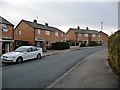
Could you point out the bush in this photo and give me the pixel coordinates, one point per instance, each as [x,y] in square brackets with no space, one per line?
[60,45]
[82,45]
[93,43]
[114,52]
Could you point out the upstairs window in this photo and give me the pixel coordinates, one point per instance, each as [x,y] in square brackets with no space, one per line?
[56,33]
[99,35]
[62,34]
[4,28]
[86,35]
[18,32]
[38,31]
[79,34]
[93,35]
[47,32]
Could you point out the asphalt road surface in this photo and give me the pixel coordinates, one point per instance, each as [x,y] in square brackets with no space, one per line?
[39,73]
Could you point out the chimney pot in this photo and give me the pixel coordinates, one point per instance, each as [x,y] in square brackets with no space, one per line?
[78,27]
[46,24]
[35,21]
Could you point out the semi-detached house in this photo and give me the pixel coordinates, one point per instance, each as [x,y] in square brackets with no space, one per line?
[6,36]
[33,33]
[77,35]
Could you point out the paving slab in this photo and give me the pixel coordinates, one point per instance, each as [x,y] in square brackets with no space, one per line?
[93,72]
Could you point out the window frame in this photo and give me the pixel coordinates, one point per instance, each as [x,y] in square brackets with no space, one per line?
[93,35]
[47,33]
[38,31]
[86,35]
[56,33]
[4,28]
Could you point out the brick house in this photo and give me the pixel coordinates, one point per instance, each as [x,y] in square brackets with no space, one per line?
[103,38]
[6,36]
[77,35]
[37,34]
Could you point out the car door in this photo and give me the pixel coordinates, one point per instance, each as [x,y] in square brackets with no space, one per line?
[35,52]
[28,54]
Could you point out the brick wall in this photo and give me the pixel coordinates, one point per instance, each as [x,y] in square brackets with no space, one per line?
[71,35]
[9,33]
[105,38]
[52,38]
[27,33]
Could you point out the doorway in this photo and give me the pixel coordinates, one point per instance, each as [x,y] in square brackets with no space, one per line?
[5,47]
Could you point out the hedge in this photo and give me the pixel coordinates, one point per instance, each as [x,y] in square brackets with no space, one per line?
[93,43]
[114,52]
[60,45]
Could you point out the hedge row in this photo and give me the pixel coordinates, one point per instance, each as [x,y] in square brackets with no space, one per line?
[60,45]
[114,52]
[93,43]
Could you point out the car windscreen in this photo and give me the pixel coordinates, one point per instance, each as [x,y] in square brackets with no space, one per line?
[21,49]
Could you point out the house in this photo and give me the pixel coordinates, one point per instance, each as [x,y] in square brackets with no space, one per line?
[103,38]
[6,36]
[77,35]
[33,33]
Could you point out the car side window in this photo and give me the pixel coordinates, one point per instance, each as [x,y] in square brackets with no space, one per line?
[29,50]
[34,49]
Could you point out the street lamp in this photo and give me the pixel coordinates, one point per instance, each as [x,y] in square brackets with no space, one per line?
[101,32]
[101,26]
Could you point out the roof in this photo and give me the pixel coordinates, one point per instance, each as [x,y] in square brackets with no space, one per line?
[84,31]
[41,26]
[103,32]
[4,21]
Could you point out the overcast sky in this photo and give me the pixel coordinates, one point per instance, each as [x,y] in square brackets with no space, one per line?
[64,14]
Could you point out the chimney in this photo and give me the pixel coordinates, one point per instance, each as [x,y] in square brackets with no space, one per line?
[87,28]
[35,21]
[46,24]
[78,27]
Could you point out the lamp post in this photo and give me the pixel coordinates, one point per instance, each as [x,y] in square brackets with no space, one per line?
[101,32]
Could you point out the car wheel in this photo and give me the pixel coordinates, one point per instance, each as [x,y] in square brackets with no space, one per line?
[19,60]
[38,56]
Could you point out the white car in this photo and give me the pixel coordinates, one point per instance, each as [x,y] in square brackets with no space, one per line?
[22,53]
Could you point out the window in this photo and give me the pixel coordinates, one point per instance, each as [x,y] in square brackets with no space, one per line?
[4,28]
[19,32]
[86,35]
[99,35]
[93,35]
[16,32]
[56,33]
[39,31]
[79,34]
[62,35]
[29,50]
[34,49]
[47,32]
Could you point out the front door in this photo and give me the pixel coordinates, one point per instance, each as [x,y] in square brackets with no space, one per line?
[5,47]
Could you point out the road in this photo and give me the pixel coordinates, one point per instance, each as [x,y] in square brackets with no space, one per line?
[39,73]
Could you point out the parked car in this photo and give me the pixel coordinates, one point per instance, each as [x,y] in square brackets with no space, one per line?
[22,53]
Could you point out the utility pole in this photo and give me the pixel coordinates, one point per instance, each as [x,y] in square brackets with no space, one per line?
[101,33]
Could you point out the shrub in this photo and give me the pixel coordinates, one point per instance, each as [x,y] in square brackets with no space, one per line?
[82,45]
[114,52]
[60,45]
[93,43]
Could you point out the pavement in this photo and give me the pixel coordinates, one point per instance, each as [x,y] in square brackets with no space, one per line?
[92,72]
